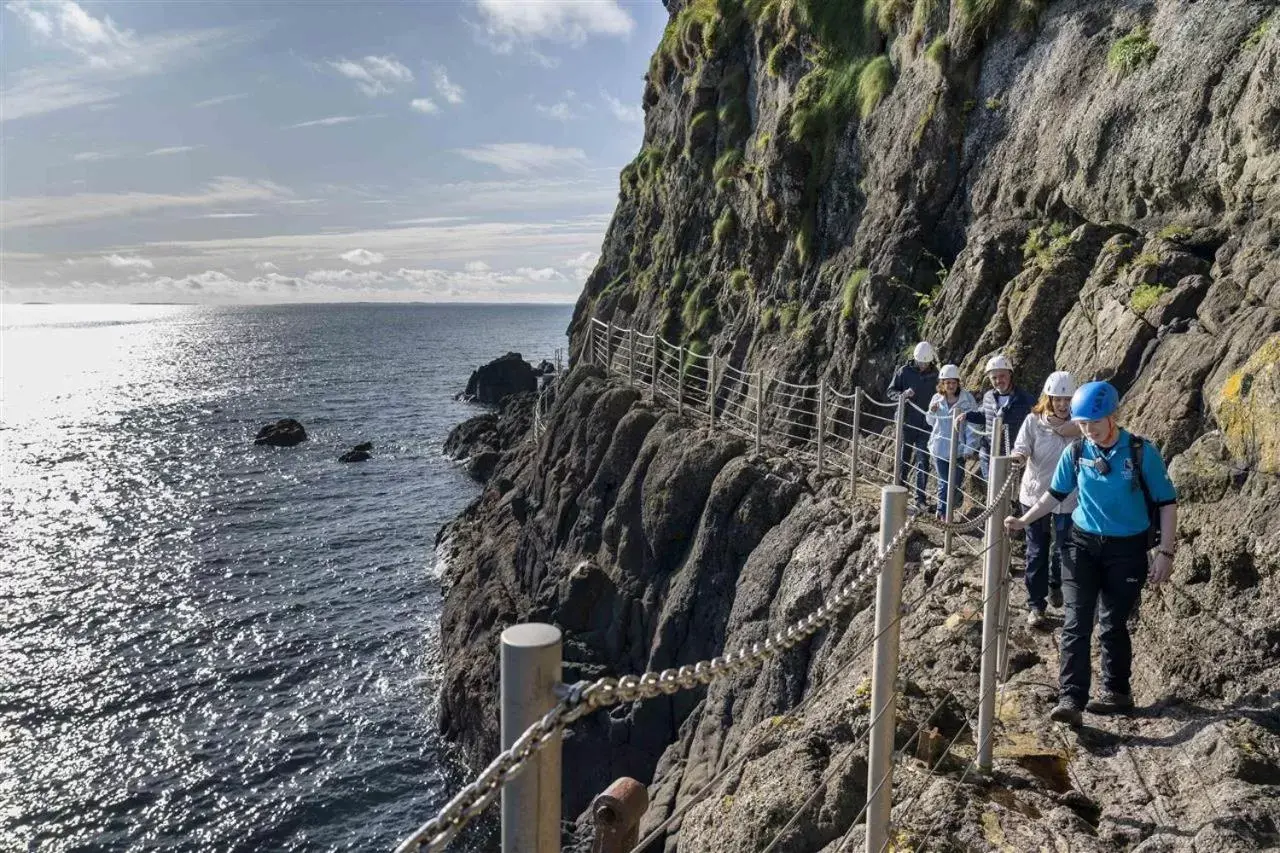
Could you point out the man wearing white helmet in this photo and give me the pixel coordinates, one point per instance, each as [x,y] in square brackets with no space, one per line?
[1040,443]
[1004,398]
[916,381]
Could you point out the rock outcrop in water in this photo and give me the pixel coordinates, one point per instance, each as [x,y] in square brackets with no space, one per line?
[500,379]
[285,432]
[1085,185]
[360,453]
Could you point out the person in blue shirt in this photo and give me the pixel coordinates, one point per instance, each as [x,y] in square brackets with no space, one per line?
[1119,480]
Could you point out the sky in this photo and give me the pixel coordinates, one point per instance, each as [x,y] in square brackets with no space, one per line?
[215,152]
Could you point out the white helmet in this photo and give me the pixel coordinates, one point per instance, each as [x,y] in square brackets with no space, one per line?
[949,371]
[1059,384]
[998,362]
[924,353]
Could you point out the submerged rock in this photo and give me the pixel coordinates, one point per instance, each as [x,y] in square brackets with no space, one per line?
[285,432]
[500,379]
[355,456]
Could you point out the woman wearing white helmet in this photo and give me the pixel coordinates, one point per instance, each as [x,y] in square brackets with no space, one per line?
[1043,436]
[950,401]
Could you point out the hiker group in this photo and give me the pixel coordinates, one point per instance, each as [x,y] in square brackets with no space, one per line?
[1093,499]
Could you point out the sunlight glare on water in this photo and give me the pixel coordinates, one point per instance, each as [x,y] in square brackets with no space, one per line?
[209,644]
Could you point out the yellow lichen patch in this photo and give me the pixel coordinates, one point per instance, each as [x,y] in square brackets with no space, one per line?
[1248,409]
[991,829]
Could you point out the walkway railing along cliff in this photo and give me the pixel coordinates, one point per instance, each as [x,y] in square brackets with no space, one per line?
[850,434]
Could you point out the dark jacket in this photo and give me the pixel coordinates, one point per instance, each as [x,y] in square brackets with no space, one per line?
[1016,408]
[924,385]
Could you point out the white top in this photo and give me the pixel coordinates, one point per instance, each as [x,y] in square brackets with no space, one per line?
[1040,443]
[940,420]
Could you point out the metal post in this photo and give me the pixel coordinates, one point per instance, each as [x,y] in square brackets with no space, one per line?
[759,408]
[617,814]
[822,424]
[631,357]
[680,381]
[899,421]
[997,436]
[588,354]
[530,671]
[654,360]
[884,674]
[951,482]
[993,571]
[855,440]
[608,348]
[711,392]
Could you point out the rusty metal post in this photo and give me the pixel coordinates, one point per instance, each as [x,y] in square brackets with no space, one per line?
[617,813]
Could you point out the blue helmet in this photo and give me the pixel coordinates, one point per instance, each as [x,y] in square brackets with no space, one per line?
[1094,401]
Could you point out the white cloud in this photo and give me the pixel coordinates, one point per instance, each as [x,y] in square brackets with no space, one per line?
[97,56]
[363,257]
[266,266]
[542,274]
[623,112]
[80,207]
[95,156]
[230,215]
[373,75]
[173,149]
[581,266]
[329,121]
[446,89]
[220,99]
[424,105]
[120,262]
[476,267]
[559,20]
[561,110]
[525,158]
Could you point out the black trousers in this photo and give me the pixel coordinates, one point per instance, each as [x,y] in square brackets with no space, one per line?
[1104,577]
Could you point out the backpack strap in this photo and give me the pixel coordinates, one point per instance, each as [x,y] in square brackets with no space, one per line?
[1077,450]
[1137,444]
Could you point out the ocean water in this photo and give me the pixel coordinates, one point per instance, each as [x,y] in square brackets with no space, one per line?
[210,645]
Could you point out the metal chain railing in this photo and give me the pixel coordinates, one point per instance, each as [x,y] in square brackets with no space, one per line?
[583,698]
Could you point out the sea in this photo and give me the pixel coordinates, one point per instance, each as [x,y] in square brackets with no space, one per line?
[207,645]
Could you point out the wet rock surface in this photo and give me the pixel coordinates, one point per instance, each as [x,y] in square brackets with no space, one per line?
[285,432]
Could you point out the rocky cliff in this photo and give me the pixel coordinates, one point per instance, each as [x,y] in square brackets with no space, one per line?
[1090,186]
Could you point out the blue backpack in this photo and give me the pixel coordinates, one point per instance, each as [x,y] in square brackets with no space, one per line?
[1136,445]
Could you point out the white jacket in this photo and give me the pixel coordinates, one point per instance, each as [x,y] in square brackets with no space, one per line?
[940,421]
[1043,447]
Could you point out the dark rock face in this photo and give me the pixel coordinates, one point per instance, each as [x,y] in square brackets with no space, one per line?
[355,455]
[500,379]
[1010,193]
[480,441]
[283,433]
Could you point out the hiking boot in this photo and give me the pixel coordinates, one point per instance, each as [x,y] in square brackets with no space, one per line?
[1067,711]
[1111,702]
[1055,596]
[1036,620]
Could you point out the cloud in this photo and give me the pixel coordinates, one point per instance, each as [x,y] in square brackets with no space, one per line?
[120,262]
[174,149]
[525,158]
[330,121]
[220,99]
[266,266]
[81,207]
[95,156]
[97,56]
[446,89]
[581,266]
[363,257]
[557,20]
[623,112]
[229,215]
[562,110]
[424,105]
[476,267]
[373,75]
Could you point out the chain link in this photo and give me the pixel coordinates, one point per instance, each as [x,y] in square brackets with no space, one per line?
[586,697]
[1002,500]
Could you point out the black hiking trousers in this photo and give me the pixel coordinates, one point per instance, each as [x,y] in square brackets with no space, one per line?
[1103,576]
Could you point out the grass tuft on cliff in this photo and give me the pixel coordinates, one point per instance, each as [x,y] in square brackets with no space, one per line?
[849,298]
[1131,52]
[726,226]
[937,51]
[874,83]
[1146,295]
